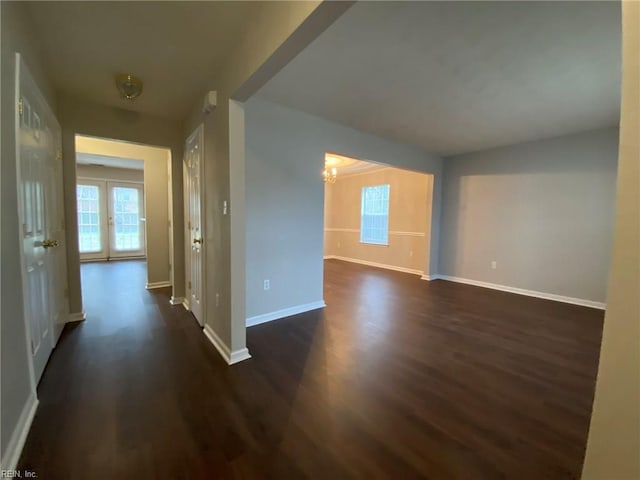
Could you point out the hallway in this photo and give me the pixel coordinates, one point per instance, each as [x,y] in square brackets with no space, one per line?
[396,378]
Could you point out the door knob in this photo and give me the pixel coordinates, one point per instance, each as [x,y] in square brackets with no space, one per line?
[50,243]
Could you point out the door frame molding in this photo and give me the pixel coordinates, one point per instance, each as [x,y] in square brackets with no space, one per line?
[197,132]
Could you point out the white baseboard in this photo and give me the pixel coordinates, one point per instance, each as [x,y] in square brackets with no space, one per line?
[378,265]
[77,317]
[176,300]
[522,291]
[152,285]
[14,448]
[285,312]
[427,277]
[329,257]
[186,305]
[224,351]
[239,356]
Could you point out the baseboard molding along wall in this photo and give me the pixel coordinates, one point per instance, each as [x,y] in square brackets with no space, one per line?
[519,291]
[374,264]
[176,300]
[229,356]
[16,443]
[429,277]
[152,285]
[285,312]
[77,317]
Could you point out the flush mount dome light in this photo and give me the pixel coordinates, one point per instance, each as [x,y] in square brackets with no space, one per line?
[130,87]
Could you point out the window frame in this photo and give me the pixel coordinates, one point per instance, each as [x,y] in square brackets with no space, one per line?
[385,206]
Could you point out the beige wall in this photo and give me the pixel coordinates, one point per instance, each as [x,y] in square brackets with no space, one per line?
[16,385]
[156,197]
[410,199]
[109,173]
[613,450]
[78,116]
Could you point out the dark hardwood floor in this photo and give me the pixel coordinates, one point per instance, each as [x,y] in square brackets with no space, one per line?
[397,378]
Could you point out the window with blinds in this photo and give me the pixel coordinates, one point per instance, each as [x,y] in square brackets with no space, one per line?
[374,215]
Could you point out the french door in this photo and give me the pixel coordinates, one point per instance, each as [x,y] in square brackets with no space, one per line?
[110,219]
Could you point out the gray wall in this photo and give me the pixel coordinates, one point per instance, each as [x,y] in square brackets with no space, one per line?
[16,384]
[285,197]
[544,211]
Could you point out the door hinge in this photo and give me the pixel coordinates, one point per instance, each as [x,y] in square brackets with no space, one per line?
[21,109]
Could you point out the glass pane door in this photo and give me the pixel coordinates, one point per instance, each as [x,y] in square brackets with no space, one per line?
[110,223]
[89,219]
[92,219]
[125,212]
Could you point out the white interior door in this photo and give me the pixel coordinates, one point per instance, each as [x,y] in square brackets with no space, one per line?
[195,284]
[39,203]
[110,219]
[56,256]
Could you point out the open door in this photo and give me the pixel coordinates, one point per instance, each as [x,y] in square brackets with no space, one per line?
[194,168]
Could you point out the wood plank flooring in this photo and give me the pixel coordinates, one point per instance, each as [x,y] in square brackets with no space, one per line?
[397,378]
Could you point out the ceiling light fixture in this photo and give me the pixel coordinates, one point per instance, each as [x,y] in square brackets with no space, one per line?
[130,87]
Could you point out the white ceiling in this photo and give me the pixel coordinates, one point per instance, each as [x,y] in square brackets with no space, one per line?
[108,161]
[174,47]
[456,77]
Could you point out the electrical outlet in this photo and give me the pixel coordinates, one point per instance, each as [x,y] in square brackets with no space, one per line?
[217,299]
[267,284]
[494,264]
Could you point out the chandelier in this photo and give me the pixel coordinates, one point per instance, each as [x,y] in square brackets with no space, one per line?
[330,174]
